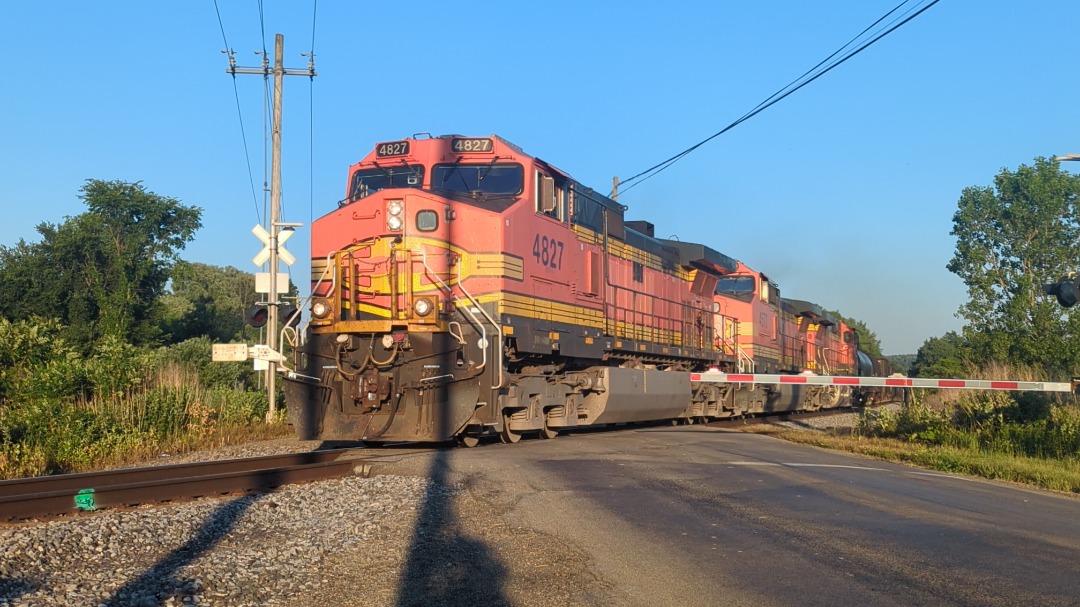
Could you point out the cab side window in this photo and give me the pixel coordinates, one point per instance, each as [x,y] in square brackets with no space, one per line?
[550,199]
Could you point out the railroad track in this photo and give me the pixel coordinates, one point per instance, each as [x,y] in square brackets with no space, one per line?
[770,418]
[51,496]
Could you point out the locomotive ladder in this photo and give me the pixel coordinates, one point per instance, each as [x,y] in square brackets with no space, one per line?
[887,382]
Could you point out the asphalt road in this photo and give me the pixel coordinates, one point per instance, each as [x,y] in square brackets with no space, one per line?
[697,516]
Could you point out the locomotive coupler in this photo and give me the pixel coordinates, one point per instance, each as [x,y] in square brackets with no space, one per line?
[372,389]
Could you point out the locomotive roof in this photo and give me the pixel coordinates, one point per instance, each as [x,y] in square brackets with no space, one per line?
[810,310]
[699,255]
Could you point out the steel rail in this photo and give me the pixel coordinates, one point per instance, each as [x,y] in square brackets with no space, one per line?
[783,416]
[50,496]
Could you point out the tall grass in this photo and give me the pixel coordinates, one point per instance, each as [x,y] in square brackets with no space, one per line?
[986,422]
[62,412]
[1027,436]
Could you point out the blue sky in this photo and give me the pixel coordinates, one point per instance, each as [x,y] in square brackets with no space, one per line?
[843,192]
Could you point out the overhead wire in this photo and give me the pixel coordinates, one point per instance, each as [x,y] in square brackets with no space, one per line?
[311,118]
[267,110]
[788,89]
[240,115]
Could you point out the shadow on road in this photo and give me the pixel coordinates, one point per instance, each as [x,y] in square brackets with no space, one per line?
[444,566]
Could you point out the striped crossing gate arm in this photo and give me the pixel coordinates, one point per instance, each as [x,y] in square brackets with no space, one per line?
[887,382]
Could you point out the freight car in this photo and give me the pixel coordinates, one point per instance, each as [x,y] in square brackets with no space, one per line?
[464,288]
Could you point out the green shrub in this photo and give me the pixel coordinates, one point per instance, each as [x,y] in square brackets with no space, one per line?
[116,367]
[983,421]
[238,407]
[61,412]
[37,362]
[196,353]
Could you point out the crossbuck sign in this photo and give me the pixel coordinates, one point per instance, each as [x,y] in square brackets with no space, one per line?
[264,255]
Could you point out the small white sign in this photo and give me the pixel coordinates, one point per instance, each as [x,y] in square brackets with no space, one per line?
[229,352]
[262,282]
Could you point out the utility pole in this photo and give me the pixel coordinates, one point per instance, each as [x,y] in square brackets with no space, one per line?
[279,72]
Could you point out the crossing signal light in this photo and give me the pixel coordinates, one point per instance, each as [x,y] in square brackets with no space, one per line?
[1067,291]
[256,316]
[289,315]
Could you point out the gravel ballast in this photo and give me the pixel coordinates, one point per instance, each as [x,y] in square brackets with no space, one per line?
[250,550]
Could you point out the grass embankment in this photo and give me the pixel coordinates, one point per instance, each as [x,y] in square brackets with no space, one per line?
[1030,440]
[62,411]
[163,417]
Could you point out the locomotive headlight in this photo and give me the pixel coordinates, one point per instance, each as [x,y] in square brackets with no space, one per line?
[422,306]
[394,210]
[320,309]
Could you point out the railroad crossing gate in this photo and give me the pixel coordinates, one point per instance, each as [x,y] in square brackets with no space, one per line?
[886,382]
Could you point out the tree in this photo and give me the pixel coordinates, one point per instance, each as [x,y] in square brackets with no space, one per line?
[944,356]
[868,340]
[208,301]
[103,271]
[1011,239]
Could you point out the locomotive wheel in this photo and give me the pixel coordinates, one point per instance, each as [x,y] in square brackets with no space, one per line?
[507,435]
[466,440]
[548,433]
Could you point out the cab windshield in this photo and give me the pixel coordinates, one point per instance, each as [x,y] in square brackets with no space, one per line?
[735,284]
[368,181]
[478,178]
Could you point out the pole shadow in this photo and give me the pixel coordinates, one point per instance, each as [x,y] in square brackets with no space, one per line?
[14,587]
[161,582]
[443,566]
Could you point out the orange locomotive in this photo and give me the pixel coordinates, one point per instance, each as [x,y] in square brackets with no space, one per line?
[464,288]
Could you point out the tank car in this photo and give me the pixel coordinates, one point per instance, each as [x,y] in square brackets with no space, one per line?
[464,288]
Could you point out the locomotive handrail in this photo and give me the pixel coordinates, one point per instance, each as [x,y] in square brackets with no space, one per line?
[478,324]
[674,326]
[496,326]
[303,302]
[744,357]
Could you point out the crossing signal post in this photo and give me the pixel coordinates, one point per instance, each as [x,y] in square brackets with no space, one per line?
[274,237]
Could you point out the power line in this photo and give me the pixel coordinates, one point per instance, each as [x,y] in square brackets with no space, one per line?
[267,104]
[221,24]
[783,92]
[243,132]
[314,12]
[311,117]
